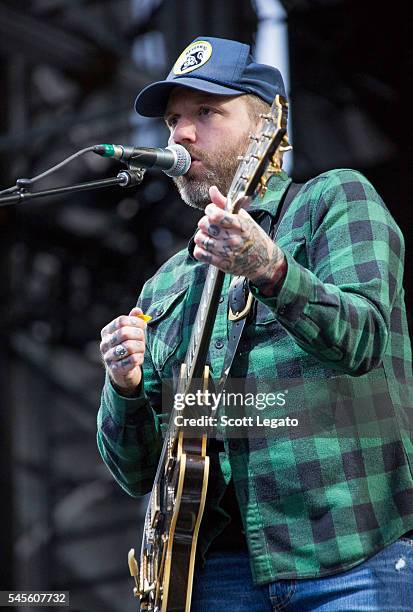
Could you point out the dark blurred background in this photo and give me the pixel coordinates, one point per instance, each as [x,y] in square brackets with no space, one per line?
[70,72]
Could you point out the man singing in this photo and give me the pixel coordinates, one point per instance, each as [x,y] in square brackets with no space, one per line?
[306,520]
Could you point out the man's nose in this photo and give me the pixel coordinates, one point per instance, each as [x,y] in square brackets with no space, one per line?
[183,133]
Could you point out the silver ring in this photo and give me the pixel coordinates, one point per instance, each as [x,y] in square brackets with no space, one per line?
[205,243]
[120,351]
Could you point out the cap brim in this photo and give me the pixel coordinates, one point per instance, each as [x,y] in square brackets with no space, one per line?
[153,99]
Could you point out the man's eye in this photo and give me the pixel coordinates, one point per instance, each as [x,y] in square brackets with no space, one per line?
[172,121]
[205,111]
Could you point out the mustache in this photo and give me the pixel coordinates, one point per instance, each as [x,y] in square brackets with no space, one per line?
[199,154]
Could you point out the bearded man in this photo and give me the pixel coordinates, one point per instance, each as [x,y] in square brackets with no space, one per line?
[306,520]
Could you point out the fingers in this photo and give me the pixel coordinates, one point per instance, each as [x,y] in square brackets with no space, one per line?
[221,233]
[122,349]
[214,251]
[220,201]
[217,245]
[219,224]
[116,349]
[135,311]
[217,219]
[217,197]
[124,321]
[201,255]
[207,242]
[118,369]
[220,218]
[122,332]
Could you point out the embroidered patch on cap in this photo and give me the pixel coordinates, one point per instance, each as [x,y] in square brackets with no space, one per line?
[193,57]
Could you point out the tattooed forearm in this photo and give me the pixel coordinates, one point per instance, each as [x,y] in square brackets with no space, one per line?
[257,258]
[274,272]
[252,254]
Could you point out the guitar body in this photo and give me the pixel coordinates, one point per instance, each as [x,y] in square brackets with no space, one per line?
[192,482]
[172,523]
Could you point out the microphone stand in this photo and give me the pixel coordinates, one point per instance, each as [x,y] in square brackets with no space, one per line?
[126,178]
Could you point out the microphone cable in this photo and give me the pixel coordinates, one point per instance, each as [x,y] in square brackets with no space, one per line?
[49,171]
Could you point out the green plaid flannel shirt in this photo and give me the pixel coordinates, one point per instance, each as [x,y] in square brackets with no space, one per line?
[318,499]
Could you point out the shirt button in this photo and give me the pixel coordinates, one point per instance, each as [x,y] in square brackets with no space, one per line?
[159,312]
[233,445]
[219,344]
[221,299]
[282,310]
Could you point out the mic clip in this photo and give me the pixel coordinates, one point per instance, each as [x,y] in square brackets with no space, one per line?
[24,185]
[132,176]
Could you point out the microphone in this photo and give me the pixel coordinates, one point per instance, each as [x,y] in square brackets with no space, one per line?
[174,160]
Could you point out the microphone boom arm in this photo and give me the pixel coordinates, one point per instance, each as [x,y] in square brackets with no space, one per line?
[126,178]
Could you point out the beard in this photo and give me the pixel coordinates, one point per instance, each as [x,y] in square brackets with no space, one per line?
[217,169]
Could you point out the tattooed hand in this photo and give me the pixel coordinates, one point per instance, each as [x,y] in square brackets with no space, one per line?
[238,245]
[122,349]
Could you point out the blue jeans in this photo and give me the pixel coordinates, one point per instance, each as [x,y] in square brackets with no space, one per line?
[383,583]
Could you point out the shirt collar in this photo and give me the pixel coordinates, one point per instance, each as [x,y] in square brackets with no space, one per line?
[270,201]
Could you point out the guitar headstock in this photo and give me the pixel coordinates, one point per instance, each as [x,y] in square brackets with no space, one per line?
[262,158]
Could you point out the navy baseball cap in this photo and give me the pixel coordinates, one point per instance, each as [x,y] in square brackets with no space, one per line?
[217,66]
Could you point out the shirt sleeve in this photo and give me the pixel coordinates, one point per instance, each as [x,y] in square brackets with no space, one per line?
[338,308]
[129,435]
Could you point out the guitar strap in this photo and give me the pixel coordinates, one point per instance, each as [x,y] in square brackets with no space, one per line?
[239,298]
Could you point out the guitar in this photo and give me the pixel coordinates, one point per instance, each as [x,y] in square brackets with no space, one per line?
[164,577]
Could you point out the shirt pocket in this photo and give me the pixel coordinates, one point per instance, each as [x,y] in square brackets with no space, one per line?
[164,331]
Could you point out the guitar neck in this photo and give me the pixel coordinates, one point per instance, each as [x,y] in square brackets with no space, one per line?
[205,318]
[203,325]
